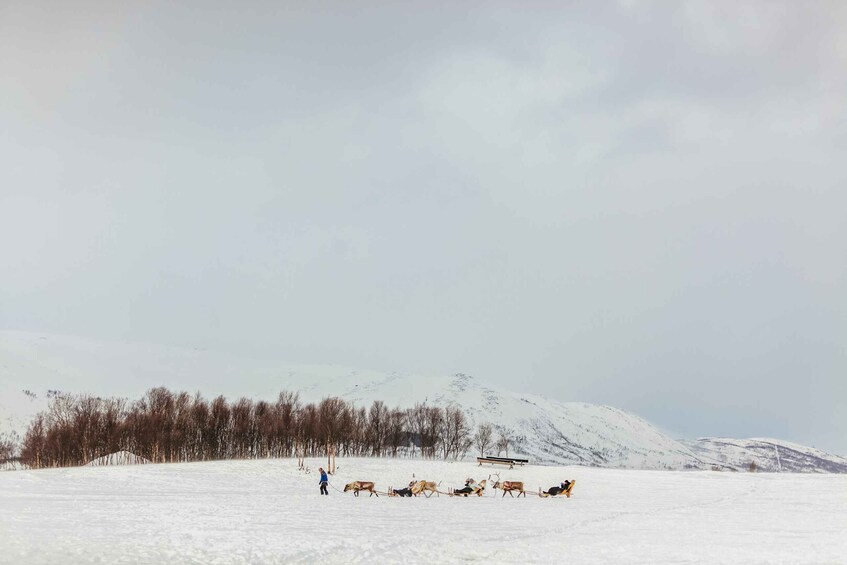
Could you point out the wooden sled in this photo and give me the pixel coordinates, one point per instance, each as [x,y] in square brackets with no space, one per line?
[454,493]
[478,490]
[566,492]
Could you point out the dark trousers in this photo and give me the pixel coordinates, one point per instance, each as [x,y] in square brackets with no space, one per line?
[323,489]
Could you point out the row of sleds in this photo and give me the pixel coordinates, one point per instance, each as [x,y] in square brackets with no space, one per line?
[472,487]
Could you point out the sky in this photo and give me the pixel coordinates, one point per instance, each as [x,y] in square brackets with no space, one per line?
[640,204]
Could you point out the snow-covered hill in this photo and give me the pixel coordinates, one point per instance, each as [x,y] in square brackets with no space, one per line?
[766,455]
[542,429]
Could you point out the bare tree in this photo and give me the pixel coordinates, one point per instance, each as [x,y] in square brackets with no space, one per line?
[416,418]
[164,426]
[395,431]
[482,438]
[7,447]
[431,437]
[330,411]
[200,433]
[454,432]
[287,411]
[377,425]
[34,450]
[221,424]
[503,443]
[243,428]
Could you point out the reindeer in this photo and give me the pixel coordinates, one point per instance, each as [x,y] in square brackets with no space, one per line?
[509,486]
[356,486]
[422,487]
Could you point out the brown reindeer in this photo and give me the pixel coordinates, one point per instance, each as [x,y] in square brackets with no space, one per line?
[356,486]
[509,486]
[422,487]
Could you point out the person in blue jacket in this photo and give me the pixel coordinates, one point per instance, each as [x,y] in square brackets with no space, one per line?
[324,481]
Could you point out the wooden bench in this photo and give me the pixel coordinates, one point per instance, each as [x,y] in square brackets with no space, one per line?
[510,461]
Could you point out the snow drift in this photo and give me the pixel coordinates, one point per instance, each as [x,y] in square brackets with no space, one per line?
[118,458]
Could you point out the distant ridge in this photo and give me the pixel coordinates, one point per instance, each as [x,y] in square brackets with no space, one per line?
[541,429]
[769,455]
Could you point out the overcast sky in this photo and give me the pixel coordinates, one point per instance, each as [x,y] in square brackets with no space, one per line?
[641,204]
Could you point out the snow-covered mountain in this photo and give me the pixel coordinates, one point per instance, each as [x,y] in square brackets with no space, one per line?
[766,455]
[543,430]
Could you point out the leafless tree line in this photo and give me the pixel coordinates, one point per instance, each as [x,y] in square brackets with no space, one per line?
[7,447]
[164,426]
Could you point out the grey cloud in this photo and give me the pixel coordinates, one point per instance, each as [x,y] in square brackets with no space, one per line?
[637,204]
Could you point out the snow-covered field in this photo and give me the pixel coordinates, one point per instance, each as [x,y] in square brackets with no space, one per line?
[269,512]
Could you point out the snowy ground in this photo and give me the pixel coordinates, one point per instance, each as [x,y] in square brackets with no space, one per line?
[269,512]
